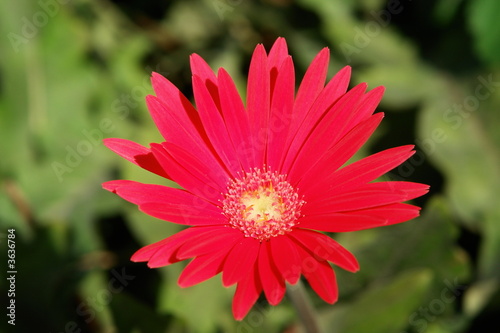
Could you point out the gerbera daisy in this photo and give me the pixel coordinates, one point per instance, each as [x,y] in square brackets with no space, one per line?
[262,180]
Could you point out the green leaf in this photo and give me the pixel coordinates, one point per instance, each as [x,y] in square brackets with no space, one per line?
[209,302]
[383,308]
[132,316]
[457,134]
[485,26]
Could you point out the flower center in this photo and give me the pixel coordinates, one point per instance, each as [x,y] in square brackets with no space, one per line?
[262,204]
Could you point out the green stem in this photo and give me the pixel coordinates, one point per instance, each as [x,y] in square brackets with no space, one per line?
[300,300]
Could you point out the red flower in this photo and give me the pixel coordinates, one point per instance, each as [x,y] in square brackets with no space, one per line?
[258,179]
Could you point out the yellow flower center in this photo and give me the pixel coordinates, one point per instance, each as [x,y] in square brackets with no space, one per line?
[262,204]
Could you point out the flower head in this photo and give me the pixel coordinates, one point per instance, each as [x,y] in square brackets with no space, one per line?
[261,179]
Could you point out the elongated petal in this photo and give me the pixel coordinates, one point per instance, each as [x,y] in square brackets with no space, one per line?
[349,111]
[140,193]
[236,120]
[309,89]
[180,107]
[355,200]
[361,172]
[197,184]
[339,154]
[336,87]
[272,282]
[395,213]
[286,258]
[208,173]
[328,96]
[412,190]
[167,255]
[258,101]
[342,222]
[281,114]
[136,154]
[164,250]
[320,276]
[222,238]
[305,122]
[361,219]
[201,69]
[112,185]
[214,126]
[178,129]
[202,268]
[365,108]
[240,261]
[324,247]
[247,293]
[277,55]
[177,119]
[182,213]
[311,143]
[168,203]
[312,83]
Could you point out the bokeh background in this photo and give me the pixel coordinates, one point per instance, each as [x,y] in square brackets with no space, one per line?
[75,71]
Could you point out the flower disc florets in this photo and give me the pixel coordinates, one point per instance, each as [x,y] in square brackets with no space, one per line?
[262,204]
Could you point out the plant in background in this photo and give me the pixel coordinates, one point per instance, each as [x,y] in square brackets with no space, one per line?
[262,180]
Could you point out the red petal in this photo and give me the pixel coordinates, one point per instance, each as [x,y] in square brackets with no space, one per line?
[201,69]
[412,190]
[361,219]
[198,183]
[277,54]
[214,126]
[180,108]
[258,101]
[168,203]
[240,261]
[236,120]
[367,105]
[224,238]
[208,173]
[309,89]
[202,268]
[361,172]
[182,213]
[178,129]
[272,282]
[360,198]
[395,213]
[136,154]
[342,222]
[286,258]
[281,114]
[311,143]
[320,276]
[112,185]
[312,83]
[340,153]
[164,250]
[328,96]
[140,193]
[324,247]
[247,293]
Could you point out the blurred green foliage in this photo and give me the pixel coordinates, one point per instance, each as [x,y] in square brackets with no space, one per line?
[74,72]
